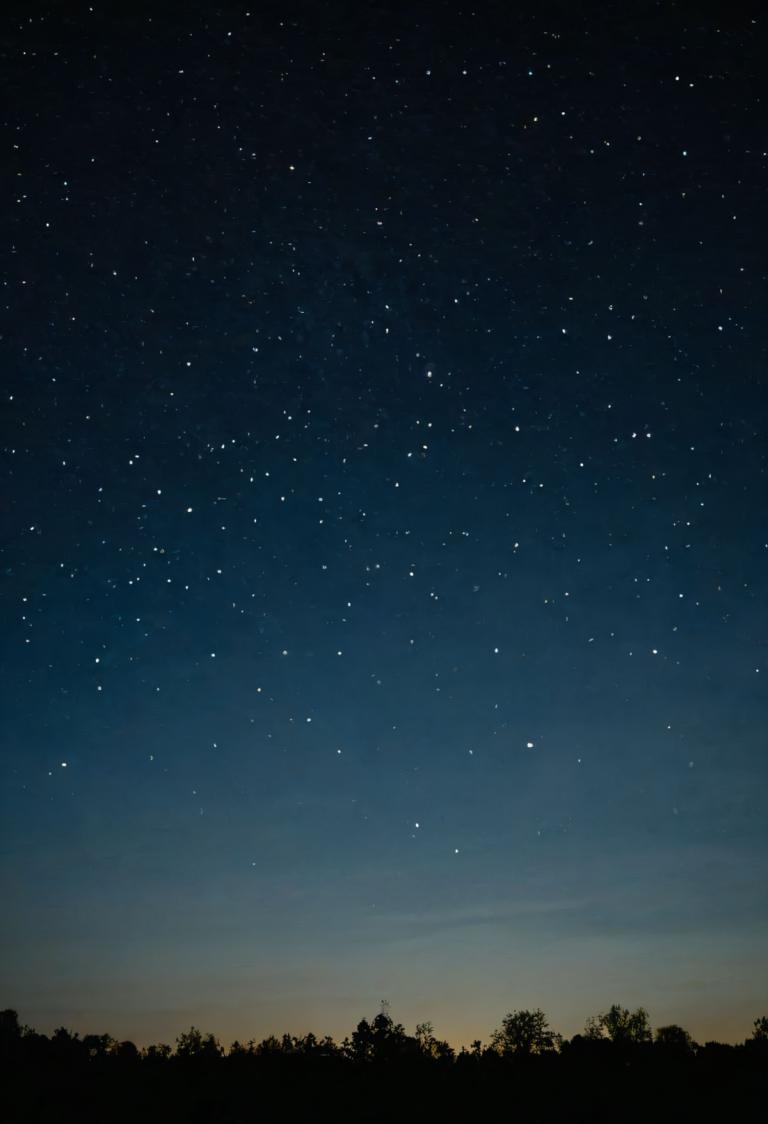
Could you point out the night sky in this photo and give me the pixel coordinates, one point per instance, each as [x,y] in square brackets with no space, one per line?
[384,544]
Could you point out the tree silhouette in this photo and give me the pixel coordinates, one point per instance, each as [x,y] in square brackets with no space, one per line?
[620,1026]
[10,1031]
[99,1045]
[381,1040]
[429,1045]
[193,1044]
[526,1066]
[674,1038]
[127,1052]
[525,1033]
[158,1053]
[359,1047]
[269,1046]
[758,1043]
[389,1038]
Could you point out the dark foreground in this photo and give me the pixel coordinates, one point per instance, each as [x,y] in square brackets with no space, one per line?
[382,1074]
[726,1089]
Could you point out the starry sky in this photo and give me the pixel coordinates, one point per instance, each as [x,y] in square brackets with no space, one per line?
[383,538]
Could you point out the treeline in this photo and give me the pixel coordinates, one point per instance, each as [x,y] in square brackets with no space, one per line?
[617,1066]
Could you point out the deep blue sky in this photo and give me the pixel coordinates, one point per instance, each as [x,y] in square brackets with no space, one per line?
[384,547]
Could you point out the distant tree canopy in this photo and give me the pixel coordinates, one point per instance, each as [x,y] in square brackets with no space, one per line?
[525,1033]
[429,1045]
[380,1040]
[193,1044]
[9,1025]
[620,1026]
[381,1073]
[673,1037]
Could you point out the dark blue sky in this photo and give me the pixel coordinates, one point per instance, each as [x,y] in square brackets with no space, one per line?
[383,532]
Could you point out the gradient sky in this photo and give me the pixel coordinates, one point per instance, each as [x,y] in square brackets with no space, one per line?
[384,541]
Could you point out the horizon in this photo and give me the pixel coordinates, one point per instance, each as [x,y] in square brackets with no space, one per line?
[226,1040]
